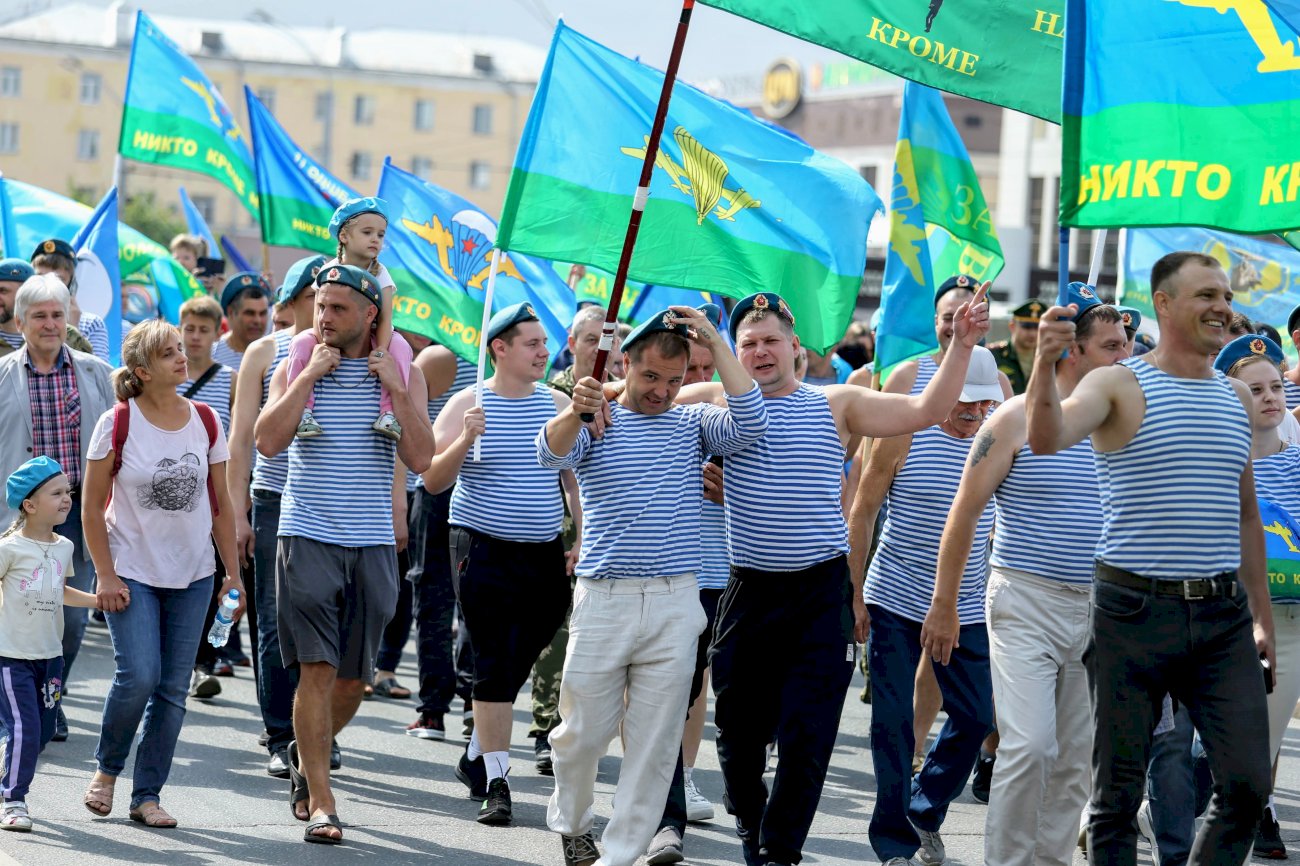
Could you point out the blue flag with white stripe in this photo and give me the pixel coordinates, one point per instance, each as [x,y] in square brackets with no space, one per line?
[98,277]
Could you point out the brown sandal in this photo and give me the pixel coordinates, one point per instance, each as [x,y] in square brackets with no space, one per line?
[156,817]
[99,798]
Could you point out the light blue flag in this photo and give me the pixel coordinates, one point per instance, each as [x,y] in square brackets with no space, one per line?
[1288,11]
[1264,276]
[98,277]
[197,225]
[236,258]
[439,250]
[296,195]
[8,230]
[735,204]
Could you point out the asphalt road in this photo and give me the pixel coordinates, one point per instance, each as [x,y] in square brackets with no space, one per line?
[398,797]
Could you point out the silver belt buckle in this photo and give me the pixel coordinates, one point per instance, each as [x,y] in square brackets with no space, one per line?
[1188,595]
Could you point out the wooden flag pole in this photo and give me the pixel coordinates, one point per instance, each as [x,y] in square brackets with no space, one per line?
[639,200]
[483,342]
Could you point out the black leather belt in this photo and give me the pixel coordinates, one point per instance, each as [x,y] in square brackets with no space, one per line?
[265,495]
[1220,586]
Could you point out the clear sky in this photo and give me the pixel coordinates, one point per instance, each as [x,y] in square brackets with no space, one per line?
[719,45]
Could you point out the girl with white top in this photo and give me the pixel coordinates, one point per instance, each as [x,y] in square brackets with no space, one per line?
[152,498]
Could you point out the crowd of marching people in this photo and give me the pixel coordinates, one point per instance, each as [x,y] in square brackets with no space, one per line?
[1058,542]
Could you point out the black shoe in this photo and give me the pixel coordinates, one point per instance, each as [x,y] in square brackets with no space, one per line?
[60,726]
[580,850]
[1268,838]
[983,778]
[473,774]
[203,685]
[542,745]
[496,807]
[336,756]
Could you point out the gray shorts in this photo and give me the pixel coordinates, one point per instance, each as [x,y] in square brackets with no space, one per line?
[334,603]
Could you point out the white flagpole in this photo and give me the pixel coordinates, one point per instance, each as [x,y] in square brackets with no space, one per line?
[1098,246]
[482,341]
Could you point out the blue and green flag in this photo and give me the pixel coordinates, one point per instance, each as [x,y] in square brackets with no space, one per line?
[939,227]
[736,204]
[98,277]
[8,229]
[439,252]
[174,116]
[196,225]
[595,287]
[1180,113]
[297,196]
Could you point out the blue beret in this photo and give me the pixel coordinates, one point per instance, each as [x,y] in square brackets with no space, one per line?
[758,301]
[1245,346]
[209,267]
[1146,341]
[355,207]
[1293,321]
[714,314]
[15,271]
[960,281]
[507,317]
[1130,318]
[1081,295]
[28,479]
[657,323]
[300,275]
[54,245]
[353,278]
[242,282]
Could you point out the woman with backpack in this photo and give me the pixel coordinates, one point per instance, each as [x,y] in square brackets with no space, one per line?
[154,493]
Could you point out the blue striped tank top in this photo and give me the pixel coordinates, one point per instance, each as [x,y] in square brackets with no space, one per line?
[1292,392]
[925,370]
[783,492]
[216,393]
[466,374]
[270,473]
[1173,505]
[901,576]
[507,493]
[223,354]
[715,564]
[1277,478]
[1049,514]
[340,484]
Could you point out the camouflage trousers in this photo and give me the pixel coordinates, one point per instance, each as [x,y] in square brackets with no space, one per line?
[547,671]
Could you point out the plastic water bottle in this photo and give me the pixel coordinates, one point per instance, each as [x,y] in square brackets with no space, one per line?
[220,631]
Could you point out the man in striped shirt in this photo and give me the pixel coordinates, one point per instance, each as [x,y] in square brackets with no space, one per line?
[636,611]
[780,664]
[1180,569]
[1037,607]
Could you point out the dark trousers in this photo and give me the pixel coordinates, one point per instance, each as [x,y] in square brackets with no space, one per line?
[75,618]
[29,698]
[782,658]
[893,652]
[399,627]
[429,574]
[208,654]
[1202,653]
[275,684]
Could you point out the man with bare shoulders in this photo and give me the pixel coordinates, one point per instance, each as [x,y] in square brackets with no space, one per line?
[1180,596]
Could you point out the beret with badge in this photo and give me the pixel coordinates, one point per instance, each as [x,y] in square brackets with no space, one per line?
[1130,318]
[959,281]
[29,478]
[507,317]
[656,324]
[244,281]
[1247,346]
[353,278]
[354,207]
[300,275]
[15,271]
[759,301]
[54,246]
[1083,296]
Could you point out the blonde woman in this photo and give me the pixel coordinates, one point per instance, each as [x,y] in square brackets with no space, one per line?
[156,470]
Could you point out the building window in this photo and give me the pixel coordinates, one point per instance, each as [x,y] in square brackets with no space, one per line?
[91,85]
[11,81]
[8,138]
[972,121]
[360,165]
[324,105]
[482,120]
[363,110]
[868,173]
[423,115]
[206,205]
[422,167]
[266,96]
[480,175]
[88,145]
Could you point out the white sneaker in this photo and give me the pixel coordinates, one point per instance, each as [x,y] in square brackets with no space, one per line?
[1147,830]
[15,817]
[932,852]
[897,861]
[698,807]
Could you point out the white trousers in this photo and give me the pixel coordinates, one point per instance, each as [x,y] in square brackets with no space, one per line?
[1038,629]
[630,659]
[1286,688]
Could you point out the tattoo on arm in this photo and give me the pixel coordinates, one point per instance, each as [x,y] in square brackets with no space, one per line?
[983,442]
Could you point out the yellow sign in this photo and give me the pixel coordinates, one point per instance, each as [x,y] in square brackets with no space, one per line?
[782,88]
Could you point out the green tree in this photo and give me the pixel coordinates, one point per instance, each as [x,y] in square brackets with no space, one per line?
[143,213]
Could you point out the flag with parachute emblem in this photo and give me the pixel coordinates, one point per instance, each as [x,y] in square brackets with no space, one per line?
[296,195]
[438,250]
[98,278]
[735,204]
[174,116]
[939,227]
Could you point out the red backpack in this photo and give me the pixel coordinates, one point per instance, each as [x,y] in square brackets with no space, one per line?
[122,423]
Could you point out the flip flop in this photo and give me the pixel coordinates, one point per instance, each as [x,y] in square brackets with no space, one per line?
[389,687]
[319,823]
[298,792]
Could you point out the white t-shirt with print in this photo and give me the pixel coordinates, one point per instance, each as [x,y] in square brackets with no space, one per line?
[159,520]
[31,598]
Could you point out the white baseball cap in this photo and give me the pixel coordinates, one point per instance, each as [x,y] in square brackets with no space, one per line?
[982,381]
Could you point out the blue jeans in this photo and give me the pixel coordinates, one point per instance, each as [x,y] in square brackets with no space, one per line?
[275,685]
[1202,653]
[155,640]
[75,618]
[966,683]
[1171,791]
